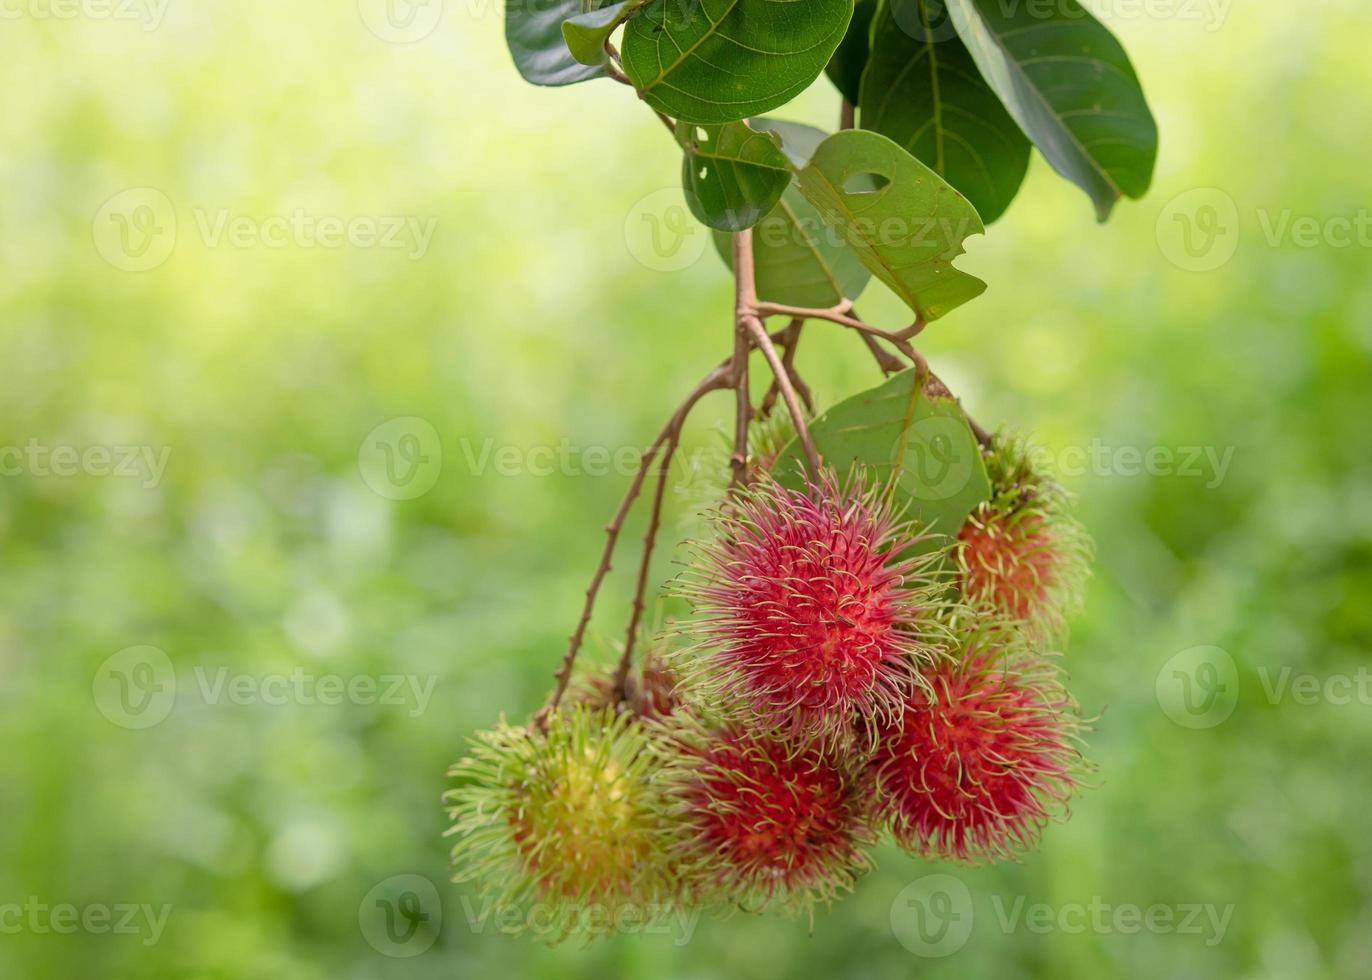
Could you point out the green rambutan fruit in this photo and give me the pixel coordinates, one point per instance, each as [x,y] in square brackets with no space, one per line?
[567,816]
[1022,554]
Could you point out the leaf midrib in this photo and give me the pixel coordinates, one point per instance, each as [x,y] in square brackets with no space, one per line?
[714,28]
[1062,123]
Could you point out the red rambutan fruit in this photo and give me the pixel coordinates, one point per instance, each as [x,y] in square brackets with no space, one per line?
[762,819]
[979,761]
[812,606]
[1021,554]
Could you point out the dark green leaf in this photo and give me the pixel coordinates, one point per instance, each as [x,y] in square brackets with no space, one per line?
[800,260]
[921,442]
[533,31]
[732,175]
[718,61]
[846,66]
[908,230]
[585,35]
[923,90]
[1070,86]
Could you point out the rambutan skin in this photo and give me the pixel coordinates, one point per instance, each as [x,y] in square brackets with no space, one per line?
[979,761]
[569,815]
[1022,554]
[811,605]
[762,819]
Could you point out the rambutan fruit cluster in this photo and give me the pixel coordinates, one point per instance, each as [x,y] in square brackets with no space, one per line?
[843,675]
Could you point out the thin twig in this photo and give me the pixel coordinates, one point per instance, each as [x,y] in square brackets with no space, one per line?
[716,379]
[745,299]
[788,358]
[845,315]
[789,342]
[673,430]
[788,392]
[888,362]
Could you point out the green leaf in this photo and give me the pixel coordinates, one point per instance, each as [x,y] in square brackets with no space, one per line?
[923,90]
[799,259]
[921,442]
[732,175]
[846,66]
[1068,83]
[718,61]
[533,32]
[585,34]
[904,221]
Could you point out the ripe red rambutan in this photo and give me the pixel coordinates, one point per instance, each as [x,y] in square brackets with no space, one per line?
[979,761]
[812,605]
[1021,554]
[761,818]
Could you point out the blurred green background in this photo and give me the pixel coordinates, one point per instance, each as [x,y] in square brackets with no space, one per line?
[1198,366]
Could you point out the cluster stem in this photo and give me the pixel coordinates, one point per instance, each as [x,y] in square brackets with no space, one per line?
[749,333]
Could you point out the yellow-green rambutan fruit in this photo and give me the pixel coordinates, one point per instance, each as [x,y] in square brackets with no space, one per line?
[567,817]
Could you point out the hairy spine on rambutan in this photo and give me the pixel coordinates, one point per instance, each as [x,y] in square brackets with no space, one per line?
[812,606]
[980,760]
[568,816]
[761,818]
[1022,554]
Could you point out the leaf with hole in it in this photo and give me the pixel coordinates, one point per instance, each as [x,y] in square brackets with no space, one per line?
[533,32]
[920,442]
[846,66]
[1068,83]
[732,175]
[799,259]
[585,34]
[906,223]
[718,61]
[924,91]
